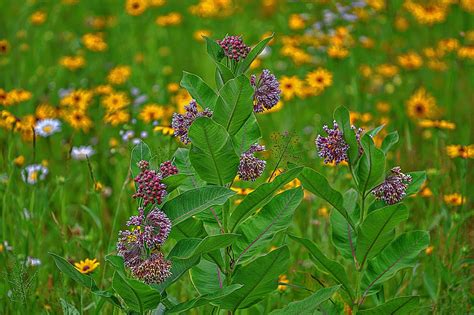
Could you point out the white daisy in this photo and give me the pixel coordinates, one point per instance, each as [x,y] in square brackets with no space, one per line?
[32,173]
[82,152]
[47,127]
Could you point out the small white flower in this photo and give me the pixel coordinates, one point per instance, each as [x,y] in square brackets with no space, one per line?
[32,173]
[33,262]
[47,127]
[82,152]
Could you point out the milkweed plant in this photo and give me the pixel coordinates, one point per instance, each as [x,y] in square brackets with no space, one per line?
[224,245]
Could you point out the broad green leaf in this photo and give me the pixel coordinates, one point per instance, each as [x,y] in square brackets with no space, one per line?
[199,90]
[399,254]
[258,230]
[341,230]
[389,141]
[137,295]
[245,64]
[172,182]
[371,167]
[207,277]
[333,268]
[397,306]
[140,151]
[193,246]
[342,117]
[258,278]
[68,308]
[375,131]
[182,162]
[234,105]
[247,135]
[204,299]
[378,230]
[72,272]
[213,49]
[319,185]
[212,154]
[194,201]
[260,196]
[225,74]
[116,262]
[309,304]
[417,181]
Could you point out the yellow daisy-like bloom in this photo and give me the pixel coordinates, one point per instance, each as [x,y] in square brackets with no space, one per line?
[338,52]
[172,87]
[7,119]
[45,110]
[467,5]
[16,96]
[165,130]
[377,5]
[198,35]
[449,44]
[290,86]
[421,105]
[115,101]
[78,119]
[87,266]
[104,89]
[401,23]
[283,279]
[454,199]
[4,98]
[383,107]
[173,18]
[77,99]
[4,46]
[152,112]
[429,250]
[19,160]
[136,7]
[157,3]
[296,22]
[38,18]
[117,117]
[72,62]
[319,79]
[410,61]
[430,13]
[466,52]
[181,99]
[439,124]
[462,151]
[323,212]
[387,70]
[425,191]
[94,42]
[119,75]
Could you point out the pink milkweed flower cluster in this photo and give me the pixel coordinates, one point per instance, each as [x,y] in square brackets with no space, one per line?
[181,122]
[234,47]
[393,189]
[250,167]
[267,91]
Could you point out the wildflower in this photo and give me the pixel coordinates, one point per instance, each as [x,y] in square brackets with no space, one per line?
[199,34]
[296,22]
[173,18]
[168,169]
[72,62]
[77,99]
[267,91]
[78,119]
[182,122]
[338,52]
[32,173]
[33,262]
[94,42]
[4,46]
[282,281]
[454,199]
[47,127]
[290,86]
[323,212]
[234,47]
[149,185]
[19,160]
[319,79]
[86,266]
[421,105]
[152,112]
[38,18]
[461,151]
[250,167]
[439,124]
[119,75]
[154,269]
[115,101]
[393,189]
[410,61]
[136,7]
[117,117]
[82,152]
[44,111]
[165,130]
[332,148]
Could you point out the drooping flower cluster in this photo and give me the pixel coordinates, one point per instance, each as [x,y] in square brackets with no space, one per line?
[182,122]
[168,169]
[393,189]
[250,167]
[234,47]
[267,91]
[333,148]
[149,185]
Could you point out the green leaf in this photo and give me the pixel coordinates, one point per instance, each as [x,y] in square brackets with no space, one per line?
[308,305]
[137,295]
[371,168]
[194,201]
[389,141]
[247,135]
[116,262]
[341,230]
[319,185]
[400,305]
[372,133]
[417,181]
[258,278]
[378,230]
[207,277]
[259,229]
[260,196]
[140,151]
[399,254]
[234,105]
[333,268]
[245,64]
[204,299]
[225,74]
[342,117]
[182,162]
[213,49]
[72,272]
[199,90]
[172,182]
[212,154]
[193,246]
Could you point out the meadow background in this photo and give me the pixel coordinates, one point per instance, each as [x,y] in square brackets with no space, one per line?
[405,64]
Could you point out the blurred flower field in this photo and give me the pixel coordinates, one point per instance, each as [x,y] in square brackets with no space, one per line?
[84,84]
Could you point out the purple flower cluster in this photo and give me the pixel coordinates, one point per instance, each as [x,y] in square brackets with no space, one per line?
[168,169]
[234,47]
[250,167]
[149,185]
[393,189]
[332,148]
[181,122]
[267,91]
[146,235]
